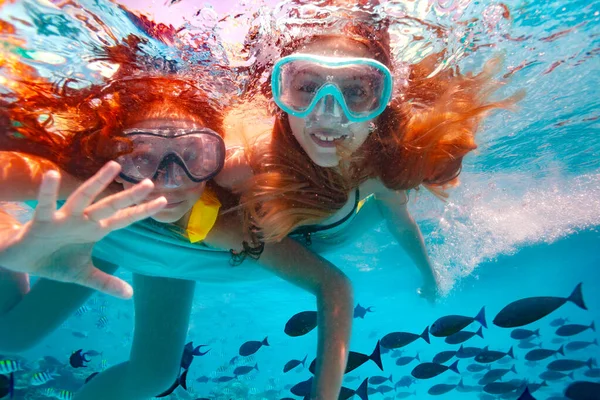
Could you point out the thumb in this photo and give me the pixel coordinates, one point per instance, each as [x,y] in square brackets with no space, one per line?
[98,280]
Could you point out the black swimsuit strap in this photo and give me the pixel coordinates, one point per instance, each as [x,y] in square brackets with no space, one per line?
[310,229]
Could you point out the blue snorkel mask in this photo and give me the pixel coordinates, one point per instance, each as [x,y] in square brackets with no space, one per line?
[305,83]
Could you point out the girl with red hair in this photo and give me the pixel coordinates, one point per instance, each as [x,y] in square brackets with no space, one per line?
[163,131]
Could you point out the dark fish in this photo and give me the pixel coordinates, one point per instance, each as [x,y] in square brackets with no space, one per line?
[383,389]
[252,346]
[77,359]
[79,334]
[355,360]
[522,334]
[542,354]
[234,360]
[405,381]
[570,365]
[534,387]
[431,370]
[478,367]
[526,311]
[574,329]
[500,387]
[554,375]
[7,385]
[301,323]
[489,356]
[558,340]
[396,340]
[397,353]
[303,389]
[406,360]
[244,369]
[203,379]
[528,345]
[378,380]
[293,364]
[559,322]
[442,388]
[360,311]
[468,352]
[592,373]
[463,336]
[579,345]
[494,374]
[89,378]
[443,356]
[583,391]
[180,381]
[451,324]
[526,395]
[189,352]
[504,361]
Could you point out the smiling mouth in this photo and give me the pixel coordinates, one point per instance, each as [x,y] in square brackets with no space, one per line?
[327,139]
[174,204]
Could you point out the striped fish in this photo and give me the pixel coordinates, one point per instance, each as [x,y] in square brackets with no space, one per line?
[48,392]
[63,395]
[103,364]
[102,322]
[9,366]
[82,311]
[41,378]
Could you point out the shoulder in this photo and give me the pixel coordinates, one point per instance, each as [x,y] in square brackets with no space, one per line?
[382,193]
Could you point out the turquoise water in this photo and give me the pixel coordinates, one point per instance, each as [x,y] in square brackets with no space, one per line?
[523,223]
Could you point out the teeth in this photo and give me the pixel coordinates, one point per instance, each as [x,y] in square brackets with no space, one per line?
[328,138]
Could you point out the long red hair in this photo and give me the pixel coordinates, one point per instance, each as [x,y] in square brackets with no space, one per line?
[80,129]
[420,139]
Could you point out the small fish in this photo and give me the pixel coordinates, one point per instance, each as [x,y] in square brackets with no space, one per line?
[443,356]
[554,375]
[522,334]
[252,347]
[478,367]
[189,352]
[355,360]
[244,369]
[203,379]
[89,378]
[378,380]
[290,365]
[360,311]
[77,359]
[80,335]
[580,345]
[102,322]
[7,385]
[431,370]
[463,336]
[559,322]
[222,379]
[407,360]
[82,311]
[93,353]
[534,387]
[583,391]
[500,387]
[10,366]
[301,323]
[397,353]
[452,324]
[406,381]
[63,395]
[351,378]
[495,374]
[529,345]
[574,329]
[558,340]
[234,360]
[489,356]
[383,389]
[41,378]
[528,310]
[396,340]
[442,388]
[542,354]
[103,364]
[570,365]
[303,389]
[404,395]
[468,352]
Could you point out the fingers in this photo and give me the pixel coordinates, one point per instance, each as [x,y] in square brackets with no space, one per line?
[108,206]
[105,283]
[47,196]
[90,189]
[131,215]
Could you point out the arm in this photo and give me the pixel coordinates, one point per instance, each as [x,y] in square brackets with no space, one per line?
[296,264]
[393,207]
